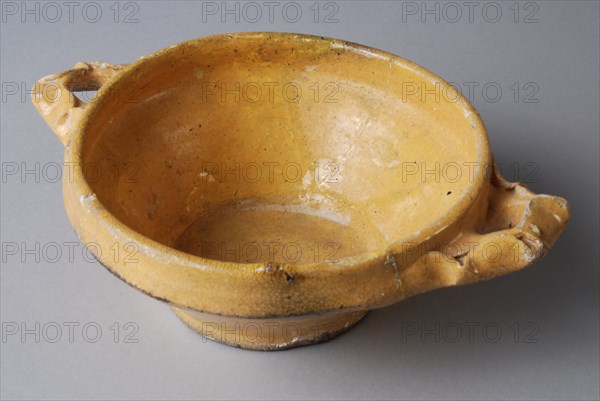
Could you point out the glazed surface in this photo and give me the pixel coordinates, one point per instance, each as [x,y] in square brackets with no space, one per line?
[399,234]
[281,139]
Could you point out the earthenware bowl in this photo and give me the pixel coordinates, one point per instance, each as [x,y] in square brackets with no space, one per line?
[273,188]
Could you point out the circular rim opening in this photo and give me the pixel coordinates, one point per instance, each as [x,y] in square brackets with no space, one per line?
[77,137]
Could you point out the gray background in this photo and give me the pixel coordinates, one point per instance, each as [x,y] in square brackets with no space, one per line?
[554,142]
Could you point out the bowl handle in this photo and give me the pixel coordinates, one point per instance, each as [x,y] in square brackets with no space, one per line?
[520,227]
[53,96]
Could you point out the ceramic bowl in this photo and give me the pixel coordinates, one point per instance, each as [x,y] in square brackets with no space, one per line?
[273,188]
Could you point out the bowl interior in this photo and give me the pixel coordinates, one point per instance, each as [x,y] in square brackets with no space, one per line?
[281,148]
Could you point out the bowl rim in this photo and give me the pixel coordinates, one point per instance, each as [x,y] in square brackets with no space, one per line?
[160,251]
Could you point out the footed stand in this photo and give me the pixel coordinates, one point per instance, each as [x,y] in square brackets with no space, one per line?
[268,334]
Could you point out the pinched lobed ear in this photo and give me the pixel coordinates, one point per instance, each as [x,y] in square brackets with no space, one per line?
[523,227]
[53,96]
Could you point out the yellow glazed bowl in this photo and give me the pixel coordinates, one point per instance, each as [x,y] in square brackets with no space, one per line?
[273,187]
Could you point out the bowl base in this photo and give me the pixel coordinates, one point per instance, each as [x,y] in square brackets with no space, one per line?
[268,334]
[279,230]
